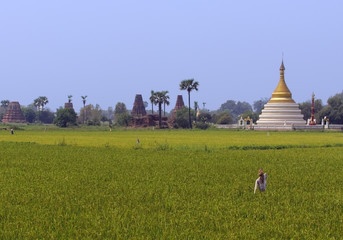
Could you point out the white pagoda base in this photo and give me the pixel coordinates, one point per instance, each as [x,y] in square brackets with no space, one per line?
[281,114]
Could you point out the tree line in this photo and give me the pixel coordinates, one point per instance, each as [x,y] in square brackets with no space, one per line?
[229,112]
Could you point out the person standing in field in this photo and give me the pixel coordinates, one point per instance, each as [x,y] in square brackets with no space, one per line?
[261,181]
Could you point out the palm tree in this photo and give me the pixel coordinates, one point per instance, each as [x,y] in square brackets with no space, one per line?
[5,103]
[40,102]
[152,100]
[84,104]
[159,99]
[69,98]
[189,85]
[165,101]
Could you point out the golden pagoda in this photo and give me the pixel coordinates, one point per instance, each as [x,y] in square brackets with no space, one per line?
[281,109]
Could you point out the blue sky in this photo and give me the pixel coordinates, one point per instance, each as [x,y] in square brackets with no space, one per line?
[112,50]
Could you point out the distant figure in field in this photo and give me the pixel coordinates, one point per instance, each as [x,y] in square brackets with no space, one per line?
[12,132]
[261,181]
[137,140]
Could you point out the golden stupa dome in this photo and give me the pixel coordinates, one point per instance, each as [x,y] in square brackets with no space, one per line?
[281,93]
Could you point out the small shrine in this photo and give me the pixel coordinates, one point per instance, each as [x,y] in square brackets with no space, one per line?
[246,123]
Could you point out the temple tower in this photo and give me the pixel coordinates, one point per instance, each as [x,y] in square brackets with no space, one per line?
[179,105]
[281,109]
[138,106]
[13,113]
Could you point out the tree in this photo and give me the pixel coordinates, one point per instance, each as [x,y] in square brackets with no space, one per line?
[5,103]
[223,118]
[124,119]
[40,102]
[234,108]
[84,104]
[204,117]
[152,100]
[189,85]
[119,109]
[305,108]
[181,118]
[160,98]
[3,107]
[46,116]
[85,113]
[65,117]
[109,114]
[334,109]
[91,114]
[96,114]
[69,98]
[259,105]
[165,101]
[29,114]
[252,115]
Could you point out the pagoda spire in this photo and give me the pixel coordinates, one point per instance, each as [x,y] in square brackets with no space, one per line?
[281,93]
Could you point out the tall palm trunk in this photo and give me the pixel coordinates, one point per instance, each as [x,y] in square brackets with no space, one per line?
[160,114]
[189,109]
[152,108]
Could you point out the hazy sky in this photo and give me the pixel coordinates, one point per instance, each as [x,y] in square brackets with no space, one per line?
[111,50]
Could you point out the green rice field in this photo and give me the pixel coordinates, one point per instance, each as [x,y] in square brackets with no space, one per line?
[173,184]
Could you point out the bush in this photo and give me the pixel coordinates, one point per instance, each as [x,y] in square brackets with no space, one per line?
[124,119]
[181,119]
[65,117]
[202,125]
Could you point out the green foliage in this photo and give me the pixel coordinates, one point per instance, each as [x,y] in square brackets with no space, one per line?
[334,109]
[202,125]
[181,118]
[222,118]
[29,114]
[5,103]
[40,102]
[159,99]
[259,105]
[119,109]
[65,117]
[124,119]
[305,108]
[204,117]
[91,115]
[234,108]
[252,115]
[46,116]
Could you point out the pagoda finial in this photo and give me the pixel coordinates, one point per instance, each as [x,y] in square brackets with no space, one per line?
[282,67]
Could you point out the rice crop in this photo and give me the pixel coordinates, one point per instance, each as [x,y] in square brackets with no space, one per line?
[171,185]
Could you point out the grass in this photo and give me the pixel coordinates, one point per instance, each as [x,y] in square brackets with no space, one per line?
[173,185]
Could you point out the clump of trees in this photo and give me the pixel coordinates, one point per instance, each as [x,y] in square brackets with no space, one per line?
[65,117]
[121,115]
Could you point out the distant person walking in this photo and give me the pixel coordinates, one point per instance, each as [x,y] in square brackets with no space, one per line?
[12,132]
[261,181]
